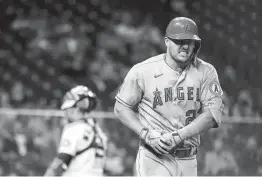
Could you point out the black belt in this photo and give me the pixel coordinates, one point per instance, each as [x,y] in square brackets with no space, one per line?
[177,152]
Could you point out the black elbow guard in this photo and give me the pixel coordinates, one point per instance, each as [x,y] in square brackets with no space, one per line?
[66,158]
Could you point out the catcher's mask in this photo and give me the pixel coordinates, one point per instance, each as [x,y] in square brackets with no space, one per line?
[81,97]
[183,28]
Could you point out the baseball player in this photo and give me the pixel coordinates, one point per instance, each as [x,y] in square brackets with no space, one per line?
[83,144]
[178,97]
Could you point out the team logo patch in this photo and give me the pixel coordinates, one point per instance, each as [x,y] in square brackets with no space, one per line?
[215,88]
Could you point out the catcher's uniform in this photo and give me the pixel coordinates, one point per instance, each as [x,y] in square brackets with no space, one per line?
[169,100]
[86,143]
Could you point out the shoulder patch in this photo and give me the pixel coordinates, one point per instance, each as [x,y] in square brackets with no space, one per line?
[215,88]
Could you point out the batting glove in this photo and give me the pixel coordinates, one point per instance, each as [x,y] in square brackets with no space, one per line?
[170,140]
[152,138]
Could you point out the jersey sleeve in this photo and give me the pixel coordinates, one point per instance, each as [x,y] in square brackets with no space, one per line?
[75,138]
[69,141]
[131,92]
[211,95]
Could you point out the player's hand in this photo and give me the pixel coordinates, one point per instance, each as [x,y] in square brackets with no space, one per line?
[152,138]
[170,139]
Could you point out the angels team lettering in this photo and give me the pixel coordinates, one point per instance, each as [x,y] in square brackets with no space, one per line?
[171,94]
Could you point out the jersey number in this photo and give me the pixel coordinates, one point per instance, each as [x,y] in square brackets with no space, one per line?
[191,115]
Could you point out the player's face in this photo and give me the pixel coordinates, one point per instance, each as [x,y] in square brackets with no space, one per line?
[180,50]
[73,114]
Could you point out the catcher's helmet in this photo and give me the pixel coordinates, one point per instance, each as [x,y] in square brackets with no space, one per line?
[81,97]
[182,28]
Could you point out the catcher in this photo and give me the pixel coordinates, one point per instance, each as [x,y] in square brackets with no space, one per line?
[83,144]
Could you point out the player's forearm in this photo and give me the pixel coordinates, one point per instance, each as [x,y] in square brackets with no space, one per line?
[128,117]
[202,123]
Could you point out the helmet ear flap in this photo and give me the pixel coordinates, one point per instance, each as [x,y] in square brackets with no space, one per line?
[196,50]
[197,46]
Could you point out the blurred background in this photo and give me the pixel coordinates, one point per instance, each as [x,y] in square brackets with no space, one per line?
[49,46]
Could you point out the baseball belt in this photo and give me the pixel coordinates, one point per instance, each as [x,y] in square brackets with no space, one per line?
[177,152]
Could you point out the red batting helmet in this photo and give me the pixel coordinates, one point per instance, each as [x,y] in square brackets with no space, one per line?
[182,28]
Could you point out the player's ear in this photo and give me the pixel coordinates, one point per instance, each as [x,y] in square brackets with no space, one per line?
[167,41]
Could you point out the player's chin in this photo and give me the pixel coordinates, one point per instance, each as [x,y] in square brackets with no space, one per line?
[182,59]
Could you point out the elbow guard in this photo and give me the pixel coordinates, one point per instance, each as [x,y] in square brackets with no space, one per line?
[65,158]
